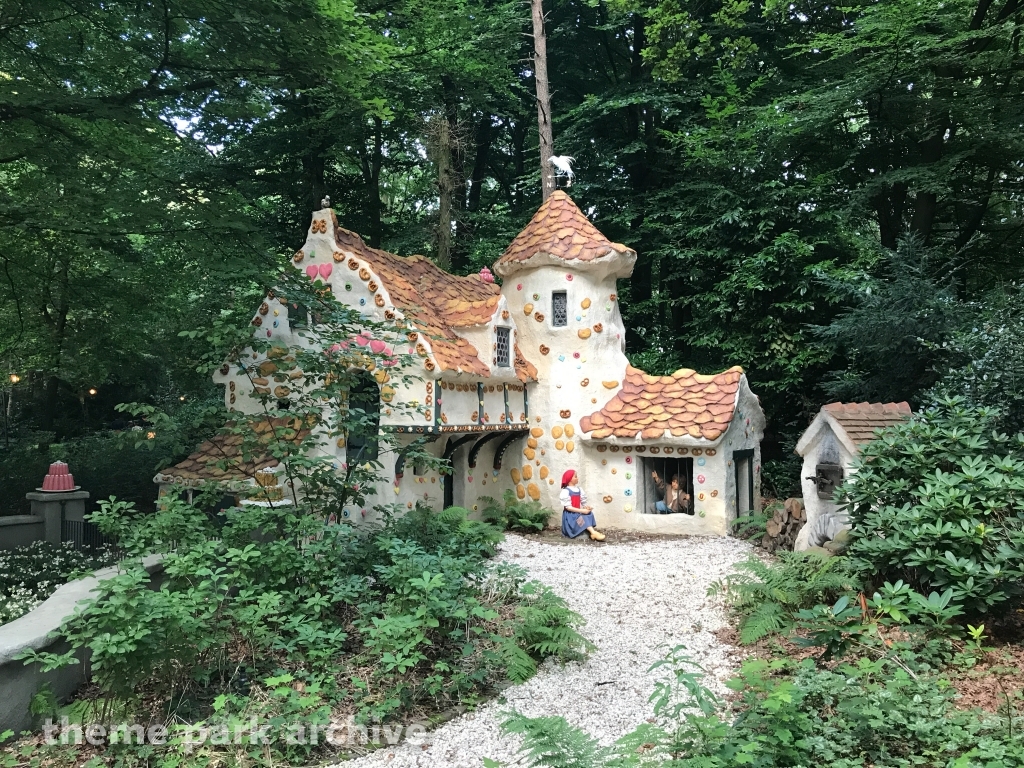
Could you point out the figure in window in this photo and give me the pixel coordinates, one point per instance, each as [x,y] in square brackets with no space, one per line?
[672,498]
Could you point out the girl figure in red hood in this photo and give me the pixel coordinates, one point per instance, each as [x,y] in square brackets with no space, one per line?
[577,515]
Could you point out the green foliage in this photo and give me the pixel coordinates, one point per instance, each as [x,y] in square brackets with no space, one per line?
[512,514]
[790,714]
[987,360]
[901,310]
[767,596]
[938,504]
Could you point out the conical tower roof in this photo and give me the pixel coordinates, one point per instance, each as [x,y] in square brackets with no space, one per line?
[559,232]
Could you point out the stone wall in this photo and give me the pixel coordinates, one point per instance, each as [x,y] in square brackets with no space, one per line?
[37,630]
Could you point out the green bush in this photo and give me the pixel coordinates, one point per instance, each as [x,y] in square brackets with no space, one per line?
[938,503]
[511,514]
[378,620]
[766,596]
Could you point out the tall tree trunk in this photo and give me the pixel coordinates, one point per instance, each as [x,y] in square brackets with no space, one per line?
[540,72]
[441,138]
[57,320]
[458,172]
[371,177]
[483,139]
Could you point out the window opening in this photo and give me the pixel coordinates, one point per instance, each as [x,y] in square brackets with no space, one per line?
[666,469]
[559,309]
[502,356]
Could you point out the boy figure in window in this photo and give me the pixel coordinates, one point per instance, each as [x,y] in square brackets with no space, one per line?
[674,500]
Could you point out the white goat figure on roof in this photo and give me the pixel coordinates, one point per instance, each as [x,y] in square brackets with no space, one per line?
[564,164]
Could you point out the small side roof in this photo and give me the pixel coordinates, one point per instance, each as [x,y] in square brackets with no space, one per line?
[854,423]
[685,404]
[221,460]
[559,232]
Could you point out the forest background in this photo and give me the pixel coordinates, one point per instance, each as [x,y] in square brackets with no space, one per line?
[828,195]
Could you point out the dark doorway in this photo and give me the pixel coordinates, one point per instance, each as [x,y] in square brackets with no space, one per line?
[744,463]
[665,468]
[363,420]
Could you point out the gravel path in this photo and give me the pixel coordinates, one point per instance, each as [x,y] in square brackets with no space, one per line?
[635,598]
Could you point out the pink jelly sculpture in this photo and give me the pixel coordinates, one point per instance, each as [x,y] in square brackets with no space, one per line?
[58,478]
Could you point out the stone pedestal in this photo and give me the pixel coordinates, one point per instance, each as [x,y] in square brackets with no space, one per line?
[54,507]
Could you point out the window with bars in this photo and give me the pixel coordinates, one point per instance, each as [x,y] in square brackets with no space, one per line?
[502,355]
[559,309]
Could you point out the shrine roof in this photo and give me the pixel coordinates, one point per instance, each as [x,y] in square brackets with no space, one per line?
[435,301]
[685,404]
[225,459]
[558,230]
[861,421]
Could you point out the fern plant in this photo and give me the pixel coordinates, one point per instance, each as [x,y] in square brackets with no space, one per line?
[514,515]
[544,626]
[767,596]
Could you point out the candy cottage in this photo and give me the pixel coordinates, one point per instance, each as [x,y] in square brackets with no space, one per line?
[522,381]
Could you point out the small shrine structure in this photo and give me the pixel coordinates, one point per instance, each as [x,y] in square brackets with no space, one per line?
[522,381]
[828,447]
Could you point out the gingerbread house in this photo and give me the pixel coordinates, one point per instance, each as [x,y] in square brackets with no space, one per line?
[517,383]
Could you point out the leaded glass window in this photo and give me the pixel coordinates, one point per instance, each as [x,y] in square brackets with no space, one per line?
[559,305]
[502,355]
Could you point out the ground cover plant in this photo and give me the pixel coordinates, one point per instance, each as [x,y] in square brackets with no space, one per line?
[29,575]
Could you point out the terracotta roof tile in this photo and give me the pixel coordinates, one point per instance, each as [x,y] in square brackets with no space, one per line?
[220,459]
[560,229]
[684,403]
[435,301]
[862,420]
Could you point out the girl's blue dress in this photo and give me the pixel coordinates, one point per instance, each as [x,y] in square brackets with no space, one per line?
[575,523]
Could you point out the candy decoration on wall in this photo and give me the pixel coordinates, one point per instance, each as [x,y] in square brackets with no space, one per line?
[537,431]
[609,384]
[544,349]
[628,508]
[701,479]
[527,472]
[628,492]
[598,327]
[565,414]
[527,309]
[338,256]
[585,383]
[520,492]
[700,497]
[534,490]
[585,303]
[559,445]
[714,493]
[583,333]
[297,257]
[311,271]
[515,474]
[629,459]
[326,270]
[568,277]
[556,431]
[701,462]
[570,446]
[607,499]
[539,317]
[569,430]
[543,473]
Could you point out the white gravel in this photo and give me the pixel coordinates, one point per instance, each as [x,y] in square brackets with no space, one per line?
[637,598]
